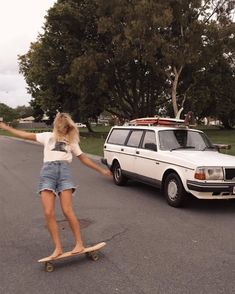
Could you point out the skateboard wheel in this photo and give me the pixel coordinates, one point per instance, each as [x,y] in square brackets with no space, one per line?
[93,256]
[49,267]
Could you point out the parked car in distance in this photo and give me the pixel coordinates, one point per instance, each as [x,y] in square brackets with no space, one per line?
[80,125]
[181,161]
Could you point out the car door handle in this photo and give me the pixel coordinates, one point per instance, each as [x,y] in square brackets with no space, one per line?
[122,149]
[137,152]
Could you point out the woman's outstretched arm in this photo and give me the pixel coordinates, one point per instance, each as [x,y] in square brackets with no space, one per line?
[21,134]
[88,162]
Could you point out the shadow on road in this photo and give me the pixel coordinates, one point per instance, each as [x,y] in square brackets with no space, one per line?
[193,204]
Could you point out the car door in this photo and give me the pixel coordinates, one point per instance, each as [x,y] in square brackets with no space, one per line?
[133,142]
[146,163]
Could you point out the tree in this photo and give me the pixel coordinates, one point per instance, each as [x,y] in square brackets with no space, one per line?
[214,94]
[48,61]
[146,49]
[188,42]
[114,67]
[72,65]
[208,83]
[224,93]
[23,111]
[130,57]
[7,113]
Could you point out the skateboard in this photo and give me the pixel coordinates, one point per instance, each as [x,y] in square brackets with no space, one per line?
[91,252]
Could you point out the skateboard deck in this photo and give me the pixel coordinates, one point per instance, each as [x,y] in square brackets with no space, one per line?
[90,252]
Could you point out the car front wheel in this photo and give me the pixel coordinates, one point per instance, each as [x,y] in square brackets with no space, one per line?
[118,177]
[174,191]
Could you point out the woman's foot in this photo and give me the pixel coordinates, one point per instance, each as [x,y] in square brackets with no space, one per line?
[78,249]
[56,253]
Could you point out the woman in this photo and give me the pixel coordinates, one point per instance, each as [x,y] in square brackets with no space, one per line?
[55,178]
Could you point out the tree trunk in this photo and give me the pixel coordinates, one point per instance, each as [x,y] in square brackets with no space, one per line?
[174,89]
[88,125]
[226,123]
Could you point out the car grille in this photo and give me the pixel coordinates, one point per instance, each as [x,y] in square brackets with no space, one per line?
[230,174]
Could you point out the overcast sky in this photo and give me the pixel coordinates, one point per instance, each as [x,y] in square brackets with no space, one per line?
[20,23]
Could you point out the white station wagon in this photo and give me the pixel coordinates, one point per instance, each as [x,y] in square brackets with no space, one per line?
[179,160]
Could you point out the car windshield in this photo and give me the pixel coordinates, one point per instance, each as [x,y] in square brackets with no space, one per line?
[183,139]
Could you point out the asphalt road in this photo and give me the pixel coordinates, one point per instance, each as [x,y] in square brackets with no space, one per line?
[151,247]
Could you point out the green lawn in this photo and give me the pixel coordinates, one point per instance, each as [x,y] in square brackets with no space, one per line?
[220,136]
[93,143]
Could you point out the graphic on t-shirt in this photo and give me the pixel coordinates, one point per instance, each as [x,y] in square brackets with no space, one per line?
[60,146]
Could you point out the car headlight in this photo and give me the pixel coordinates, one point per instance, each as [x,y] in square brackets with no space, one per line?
[209,173]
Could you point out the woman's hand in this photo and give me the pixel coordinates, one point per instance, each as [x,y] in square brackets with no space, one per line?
[88,162]
[106,172]
[3,126]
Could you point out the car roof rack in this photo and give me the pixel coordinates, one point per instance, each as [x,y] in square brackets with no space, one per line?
[164,121]
[155,121]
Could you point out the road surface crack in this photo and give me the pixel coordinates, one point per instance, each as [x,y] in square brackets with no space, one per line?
[116,235]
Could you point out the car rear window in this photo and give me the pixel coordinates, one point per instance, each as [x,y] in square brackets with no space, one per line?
[118,136]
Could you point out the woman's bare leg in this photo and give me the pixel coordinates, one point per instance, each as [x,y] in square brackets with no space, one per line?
[48,203]
[66,205]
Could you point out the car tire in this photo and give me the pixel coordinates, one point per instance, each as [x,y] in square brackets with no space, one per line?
[118,177]
[174,191]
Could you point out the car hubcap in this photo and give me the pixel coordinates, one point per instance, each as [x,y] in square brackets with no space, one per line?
[172,190]
[118,173]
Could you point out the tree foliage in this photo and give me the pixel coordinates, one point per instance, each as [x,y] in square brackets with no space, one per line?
[23,111]
[130,57]
[7,113]
[214,94]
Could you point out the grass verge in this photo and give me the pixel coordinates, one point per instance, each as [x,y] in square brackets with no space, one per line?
[220,136]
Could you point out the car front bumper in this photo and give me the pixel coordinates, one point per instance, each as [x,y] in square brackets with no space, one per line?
[214,188]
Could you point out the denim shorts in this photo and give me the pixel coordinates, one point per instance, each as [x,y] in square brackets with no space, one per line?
[55,176]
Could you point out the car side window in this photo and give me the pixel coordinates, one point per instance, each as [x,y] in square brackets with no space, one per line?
[118,136]
[134,139]
[149,141]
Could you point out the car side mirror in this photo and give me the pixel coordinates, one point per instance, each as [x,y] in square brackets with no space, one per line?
[222,146]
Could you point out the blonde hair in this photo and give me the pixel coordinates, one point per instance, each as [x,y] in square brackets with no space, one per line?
[62,121]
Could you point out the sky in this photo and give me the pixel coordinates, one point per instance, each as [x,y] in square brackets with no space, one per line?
[20,23]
